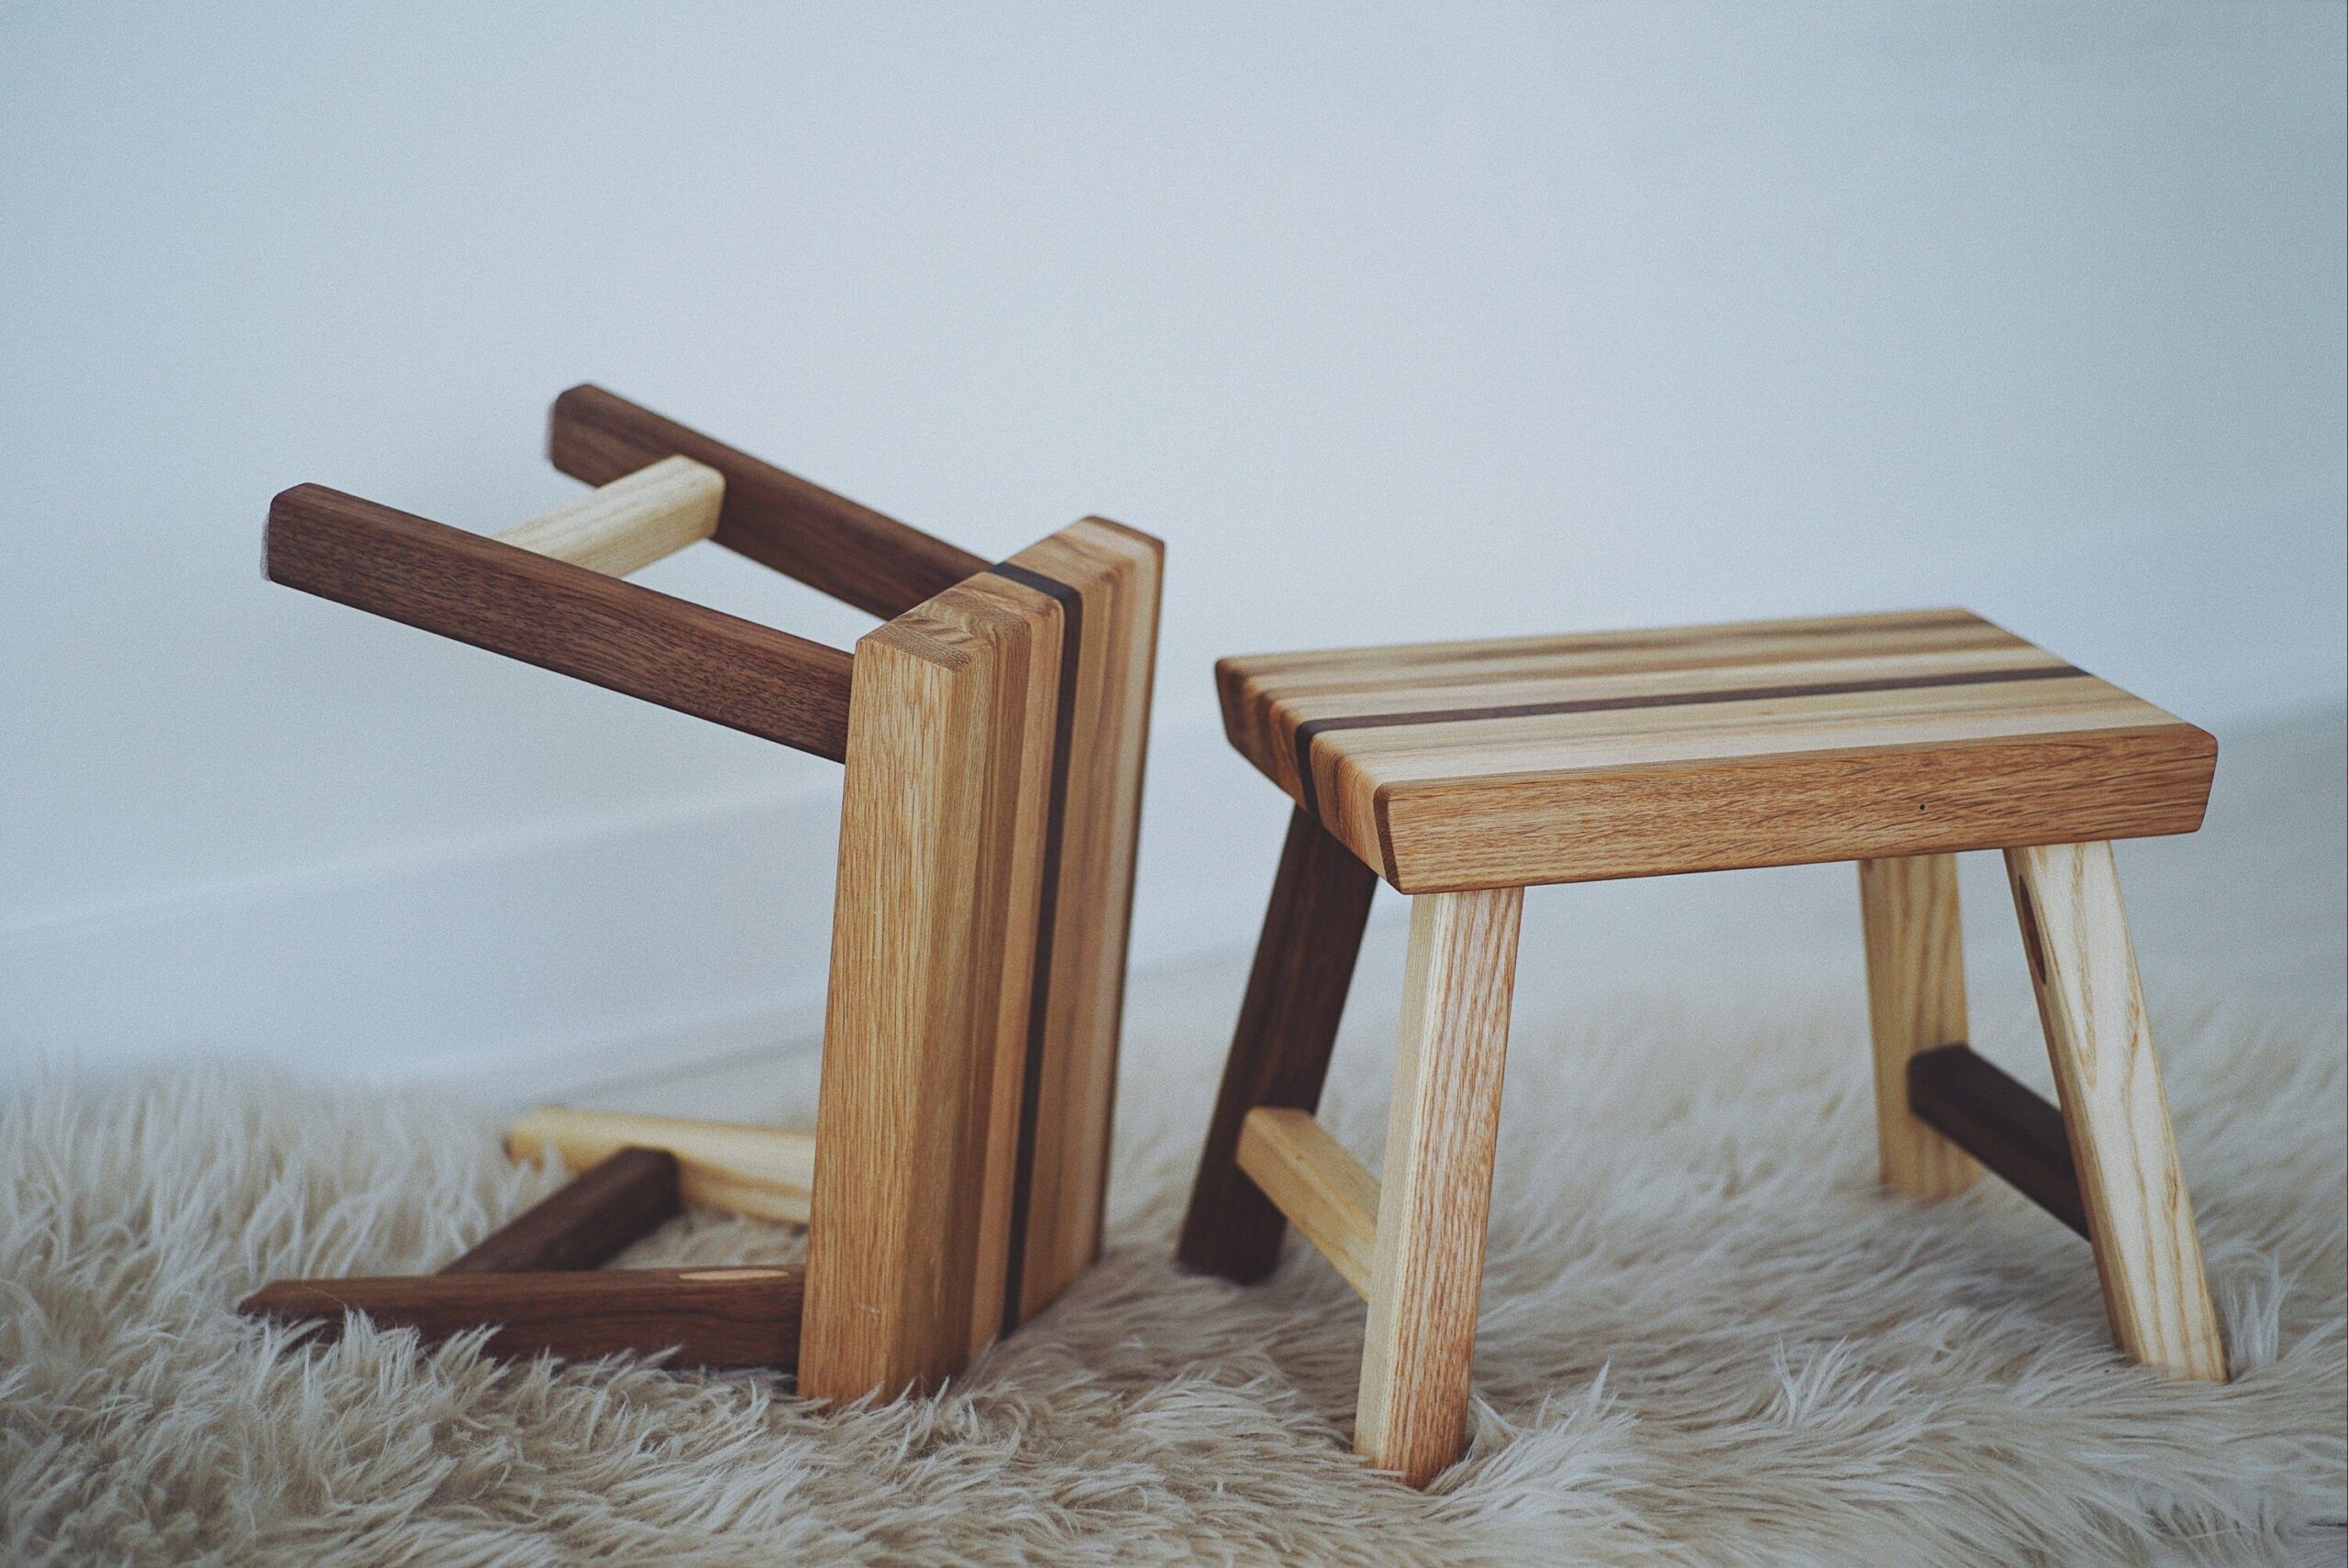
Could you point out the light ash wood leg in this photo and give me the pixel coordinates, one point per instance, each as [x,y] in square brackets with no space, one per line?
[934,929]
[1915,945]
[1429,1260]
[2092,1006]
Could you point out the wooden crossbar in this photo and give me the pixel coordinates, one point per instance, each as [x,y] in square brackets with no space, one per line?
[826,541]
[626,525]
[2000,1123]
[1328,1195]
[764,1172]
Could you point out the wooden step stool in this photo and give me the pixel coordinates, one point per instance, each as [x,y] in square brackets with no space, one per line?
[992,730]
[1466,772]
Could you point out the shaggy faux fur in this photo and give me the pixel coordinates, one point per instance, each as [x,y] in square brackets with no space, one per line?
[1706,1338]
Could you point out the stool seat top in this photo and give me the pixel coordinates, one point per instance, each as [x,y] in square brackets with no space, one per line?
[1450,766]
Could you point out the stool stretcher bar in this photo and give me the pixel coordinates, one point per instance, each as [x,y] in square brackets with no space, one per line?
[630,523]
[767,1173]
[1332,1199]
[1329,1196]
[2000,1123]
[587,1223]
[802,530]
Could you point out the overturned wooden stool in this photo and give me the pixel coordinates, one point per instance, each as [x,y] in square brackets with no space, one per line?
[1466,772]
[992,730]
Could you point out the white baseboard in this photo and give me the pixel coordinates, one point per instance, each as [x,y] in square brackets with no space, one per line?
[561,959]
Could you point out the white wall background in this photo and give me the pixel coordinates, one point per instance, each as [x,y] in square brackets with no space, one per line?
[1400,322]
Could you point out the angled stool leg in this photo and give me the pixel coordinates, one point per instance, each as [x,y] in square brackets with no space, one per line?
[1288,1026]
[1915,1004]
[1436,1197]
[2092,1008]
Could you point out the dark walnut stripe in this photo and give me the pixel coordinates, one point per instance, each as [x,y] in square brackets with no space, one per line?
[2000,1123]
[1039,995]
[1309,794]
[1399,663]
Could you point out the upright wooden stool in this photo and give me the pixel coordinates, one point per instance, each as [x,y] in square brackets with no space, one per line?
[992,730]
[1466,772]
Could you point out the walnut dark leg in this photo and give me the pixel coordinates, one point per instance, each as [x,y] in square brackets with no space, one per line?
[710,1317]
[534,1282]
[591,1218]
[1279,1054]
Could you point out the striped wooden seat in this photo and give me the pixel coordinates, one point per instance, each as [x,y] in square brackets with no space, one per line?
[1466,772]
[1560,759]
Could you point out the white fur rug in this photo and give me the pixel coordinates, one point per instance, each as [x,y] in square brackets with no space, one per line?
[1706,1338]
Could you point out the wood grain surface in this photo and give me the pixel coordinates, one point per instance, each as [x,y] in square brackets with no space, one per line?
[588,1221]
[1915,953]
[942,829]
[1279,1052]
[826,541]
[1106,579]
[1428,1267]
[1972,1101]
[2147,1251]
[627,525]
[1549,759]
[1314,1180]
[742,1168]
[988,834]
[711,1316]
[561,617]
